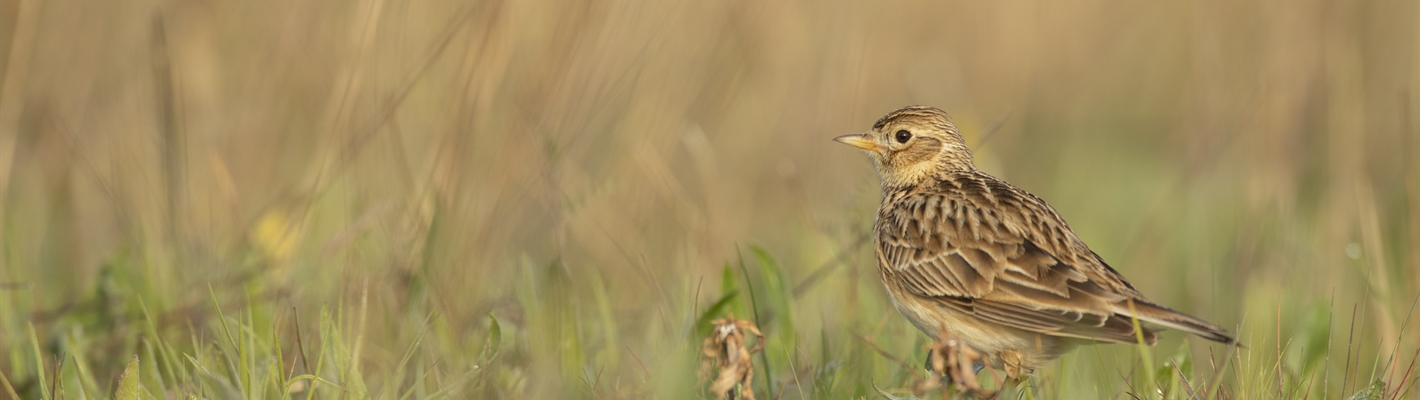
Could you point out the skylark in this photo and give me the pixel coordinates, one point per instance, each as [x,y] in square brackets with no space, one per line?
[969,255]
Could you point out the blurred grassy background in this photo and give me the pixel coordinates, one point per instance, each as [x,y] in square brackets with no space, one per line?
[541,199]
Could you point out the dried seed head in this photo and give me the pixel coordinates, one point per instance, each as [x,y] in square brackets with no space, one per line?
[726,354]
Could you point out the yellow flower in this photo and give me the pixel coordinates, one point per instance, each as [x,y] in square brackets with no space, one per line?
[274,235]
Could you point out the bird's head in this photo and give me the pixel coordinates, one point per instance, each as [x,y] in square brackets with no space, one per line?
[911,145]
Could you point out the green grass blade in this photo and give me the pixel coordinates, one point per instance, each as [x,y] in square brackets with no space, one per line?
[713,312]
[39,364]
[754,308]
[780,297]
[495,340]
[128,383]
[1144,352]
[221,317]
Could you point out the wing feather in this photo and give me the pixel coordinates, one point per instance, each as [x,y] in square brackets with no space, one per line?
[951,249]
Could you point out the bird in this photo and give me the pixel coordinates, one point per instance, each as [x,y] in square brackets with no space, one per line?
[967,255]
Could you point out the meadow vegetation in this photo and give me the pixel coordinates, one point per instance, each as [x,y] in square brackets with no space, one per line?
[554,199]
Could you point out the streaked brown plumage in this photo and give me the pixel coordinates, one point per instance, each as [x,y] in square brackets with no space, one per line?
[993,264]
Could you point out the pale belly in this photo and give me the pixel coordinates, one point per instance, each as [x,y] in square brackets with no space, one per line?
[987,338]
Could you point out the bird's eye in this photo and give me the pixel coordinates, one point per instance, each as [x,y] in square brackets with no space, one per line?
[903,136]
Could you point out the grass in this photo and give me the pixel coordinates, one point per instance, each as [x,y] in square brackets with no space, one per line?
[549,199]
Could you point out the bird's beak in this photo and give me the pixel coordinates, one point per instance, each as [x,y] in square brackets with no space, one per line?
[859,140]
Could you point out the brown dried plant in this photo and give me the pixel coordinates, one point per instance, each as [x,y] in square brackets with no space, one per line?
[727,355]
[950,358]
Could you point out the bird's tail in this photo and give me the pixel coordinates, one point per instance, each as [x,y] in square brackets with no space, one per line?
[1160,315]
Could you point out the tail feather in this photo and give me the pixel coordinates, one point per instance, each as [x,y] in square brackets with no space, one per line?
[1164,316]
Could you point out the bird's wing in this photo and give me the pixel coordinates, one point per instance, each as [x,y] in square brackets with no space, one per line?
[983,261]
